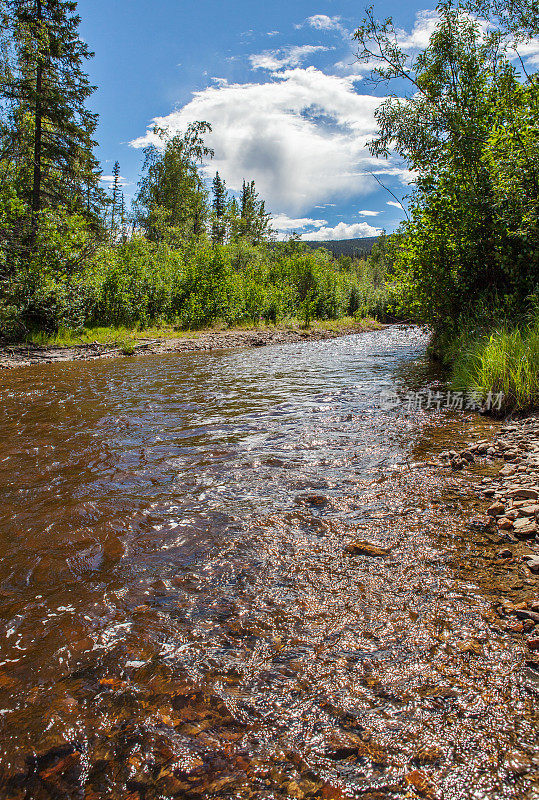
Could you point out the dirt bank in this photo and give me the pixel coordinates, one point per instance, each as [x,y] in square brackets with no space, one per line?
[23,355]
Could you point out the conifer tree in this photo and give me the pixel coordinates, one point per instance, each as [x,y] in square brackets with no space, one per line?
[220,205]
[123,217]
[52,130]
[233,217]
[254,218]
[116,192]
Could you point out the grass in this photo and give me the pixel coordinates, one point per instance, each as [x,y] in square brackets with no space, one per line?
[506,361]
[67,337]
[126,338]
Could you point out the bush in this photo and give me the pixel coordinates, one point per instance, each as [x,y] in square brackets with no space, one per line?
[139,283]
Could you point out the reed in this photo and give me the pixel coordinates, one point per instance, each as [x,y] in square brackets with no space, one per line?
[506,360]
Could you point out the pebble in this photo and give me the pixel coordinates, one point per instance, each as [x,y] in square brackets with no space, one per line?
[359,548]
[505,471]
[532,562]
[514,512]
[519,491]
[533,616]
[518,764]
[505,524]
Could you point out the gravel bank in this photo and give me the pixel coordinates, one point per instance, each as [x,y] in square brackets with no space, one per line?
[23,355]
[513,512]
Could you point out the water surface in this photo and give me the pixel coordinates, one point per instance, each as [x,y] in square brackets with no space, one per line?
[179,617]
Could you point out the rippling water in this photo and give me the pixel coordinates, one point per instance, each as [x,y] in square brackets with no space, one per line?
[179,618]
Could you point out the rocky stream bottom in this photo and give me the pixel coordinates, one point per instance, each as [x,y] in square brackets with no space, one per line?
[234,574]
[422,683]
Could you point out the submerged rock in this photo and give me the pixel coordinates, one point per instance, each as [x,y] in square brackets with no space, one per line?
[360,548]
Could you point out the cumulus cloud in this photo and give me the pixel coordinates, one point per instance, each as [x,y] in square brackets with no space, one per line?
[301,135]
[282,222]
[394,204]
[110,179]
[529,52]
[287,57]
[353,230]
[324,23]
[366,213]
[424,26]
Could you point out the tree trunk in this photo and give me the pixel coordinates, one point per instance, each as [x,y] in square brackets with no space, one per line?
[36,186]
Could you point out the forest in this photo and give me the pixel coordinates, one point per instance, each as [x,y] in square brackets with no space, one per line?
[462,115]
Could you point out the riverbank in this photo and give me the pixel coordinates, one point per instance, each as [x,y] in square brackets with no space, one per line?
[139,343]
[511,487]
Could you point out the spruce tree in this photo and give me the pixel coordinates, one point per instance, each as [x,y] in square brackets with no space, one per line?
[233,218]
[123,217]
[255,223]
[52,128]
[220,203]
[116,192]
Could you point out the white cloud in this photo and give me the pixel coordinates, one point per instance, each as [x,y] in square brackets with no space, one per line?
[366,213]
[529,52]
[110,179]
[424,27]
[282,222]
[403,174]
[324,23]
[353,230]
[301,135]
[394,204]
[287,57]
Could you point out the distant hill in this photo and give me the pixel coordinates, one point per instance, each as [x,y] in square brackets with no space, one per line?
[346,247]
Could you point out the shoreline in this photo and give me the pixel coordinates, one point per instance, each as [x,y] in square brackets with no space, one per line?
[510,494]
[13,356]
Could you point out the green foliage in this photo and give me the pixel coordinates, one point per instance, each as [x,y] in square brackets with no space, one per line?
[219,208]
[469,129]
[139,283]
[46,287]
[66,259]
[254,221]
[172,202]
[47,129]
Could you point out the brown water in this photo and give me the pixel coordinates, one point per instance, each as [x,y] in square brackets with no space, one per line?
[178,617]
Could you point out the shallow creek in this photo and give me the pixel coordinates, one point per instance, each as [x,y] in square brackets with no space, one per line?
[179,617]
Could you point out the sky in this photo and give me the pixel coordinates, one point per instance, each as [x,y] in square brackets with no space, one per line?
[290,106]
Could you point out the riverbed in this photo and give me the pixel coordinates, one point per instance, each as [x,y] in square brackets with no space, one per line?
[180,617]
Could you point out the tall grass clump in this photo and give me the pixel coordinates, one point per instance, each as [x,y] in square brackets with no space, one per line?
[505,361]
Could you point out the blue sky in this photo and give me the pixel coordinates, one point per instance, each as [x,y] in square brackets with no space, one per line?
[280,85]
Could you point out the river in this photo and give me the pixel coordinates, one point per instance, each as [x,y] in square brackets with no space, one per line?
[179,616]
